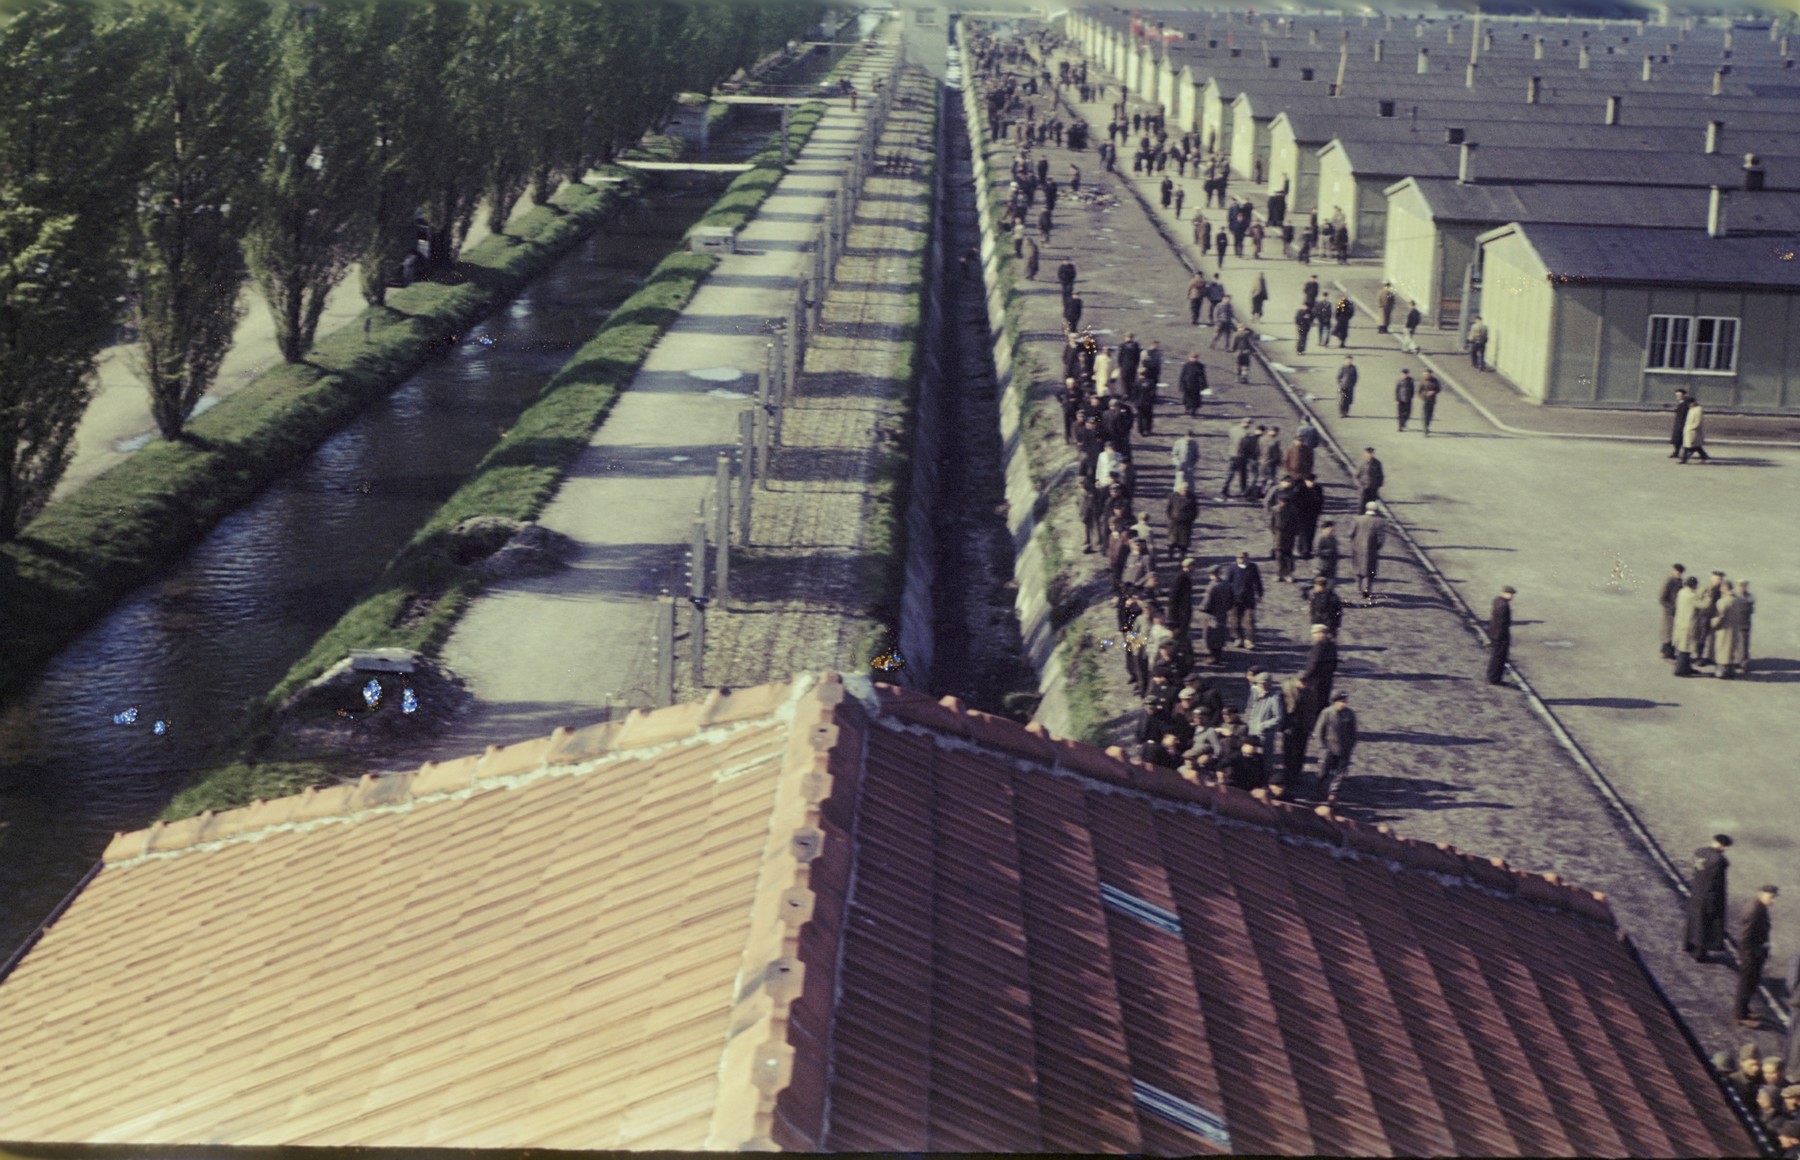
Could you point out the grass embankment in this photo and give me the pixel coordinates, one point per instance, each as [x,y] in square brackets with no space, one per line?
[420,596]
[85,551]
[1033,384]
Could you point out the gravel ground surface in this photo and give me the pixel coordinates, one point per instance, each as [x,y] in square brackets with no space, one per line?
[1444,757]
[800,595]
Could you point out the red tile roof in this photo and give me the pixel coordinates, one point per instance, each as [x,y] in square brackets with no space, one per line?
[1049,948]
[841,916]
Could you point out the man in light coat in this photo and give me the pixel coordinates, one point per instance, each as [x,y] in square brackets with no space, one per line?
[1264,717]
[1336,735]
[1184,456]
[1670,589]
[1367,534]
[1731,649]
[1693,435]
[1685,618]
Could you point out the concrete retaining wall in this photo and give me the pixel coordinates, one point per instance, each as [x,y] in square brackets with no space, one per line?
[917,624]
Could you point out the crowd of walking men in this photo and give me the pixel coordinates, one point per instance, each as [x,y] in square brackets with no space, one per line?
[1219,718]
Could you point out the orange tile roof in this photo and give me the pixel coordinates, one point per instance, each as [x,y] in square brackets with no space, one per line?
[842,916]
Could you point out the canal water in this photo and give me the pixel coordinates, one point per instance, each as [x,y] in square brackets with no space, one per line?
[105,735]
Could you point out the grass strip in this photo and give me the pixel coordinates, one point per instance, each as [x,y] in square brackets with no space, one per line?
[884,549]
[87,550]
[422,593]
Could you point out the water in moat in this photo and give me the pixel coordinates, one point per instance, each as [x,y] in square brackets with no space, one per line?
[105,735]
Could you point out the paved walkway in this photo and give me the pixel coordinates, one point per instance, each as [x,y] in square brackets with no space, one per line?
[568,648]
[800,593]
[1446,757]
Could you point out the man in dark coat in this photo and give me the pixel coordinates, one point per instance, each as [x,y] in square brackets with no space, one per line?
[1193,381]
[1706,901]
[1130,351]
[1143,398]
[1246,594]
[1181,598]
[1181,511]
[1215,605]
[1303,322]
[1243,454]
[1367,534]
[1072,311]
[1403,398]
[1346,384]
[1301,713]
[1342,314]
[1753,952]
[1150,366]
[1677,433]
[1284,525]
[1670,590]
[1326,549]
[1499,636]
[1321,663]
[1065,274]
[1429,390]
[1325,606]
[1369,477]
[1308,501]
[1337,741]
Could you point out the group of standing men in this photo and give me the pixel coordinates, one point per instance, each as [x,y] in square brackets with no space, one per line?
[1706,626]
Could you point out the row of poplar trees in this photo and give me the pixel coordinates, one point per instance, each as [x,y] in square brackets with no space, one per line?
[157,154]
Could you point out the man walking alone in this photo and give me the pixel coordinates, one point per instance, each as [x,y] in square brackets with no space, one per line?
[1753,953]
[1500,636]
[1346,383]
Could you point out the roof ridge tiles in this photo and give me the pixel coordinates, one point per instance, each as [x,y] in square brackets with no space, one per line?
[563,752]
[760,1059]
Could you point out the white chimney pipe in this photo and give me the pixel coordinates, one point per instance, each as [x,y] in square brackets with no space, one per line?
[1537,50]
[1647,61]
[1531,90]
[1581,59]
[1469,75]
[1718,82]
[1378,47]
[1465,168]
[1715,214]
[1714,131]
[1612,110]
[1424,60]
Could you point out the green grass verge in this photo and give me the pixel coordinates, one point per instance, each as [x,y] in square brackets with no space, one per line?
[422,593]
[84,552]
[1036,419]
[1081,672]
